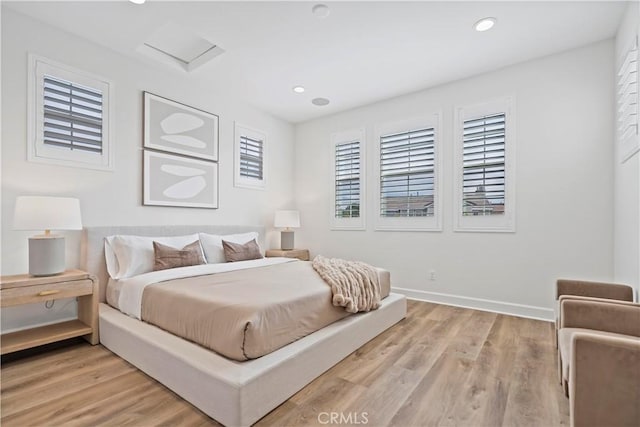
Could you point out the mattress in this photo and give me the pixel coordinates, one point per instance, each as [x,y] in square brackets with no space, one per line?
[245,313]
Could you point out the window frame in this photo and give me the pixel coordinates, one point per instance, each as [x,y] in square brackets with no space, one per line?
[239,181]
[344,137]
[37,150]
[421,223]
[505,223]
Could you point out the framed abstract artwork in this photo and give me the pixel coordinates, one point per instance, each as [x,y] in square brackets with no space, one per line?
[177,128]
[170,180]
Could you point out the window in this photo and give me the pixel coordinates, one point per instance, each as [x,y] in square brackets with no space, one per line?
[407,169]
[347,162]
[249,157]
[347,180]
[68,116]
[485,160]
[407,176]
[628,102]
[72,116]
[483,165]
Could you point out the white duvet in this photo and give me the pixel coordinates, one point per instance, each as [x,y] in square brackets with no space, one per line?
[128,292]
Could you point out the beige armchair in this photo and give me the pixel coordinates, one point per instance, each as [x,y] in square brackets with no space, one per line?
[599,346]
[584,290]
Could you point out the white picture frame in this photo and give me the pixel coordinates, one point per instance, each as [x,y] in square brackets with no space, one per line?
[177,128]
[170,180]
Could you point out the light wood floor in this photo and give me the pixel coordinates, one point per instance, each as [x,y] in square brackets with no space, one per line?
[441,366]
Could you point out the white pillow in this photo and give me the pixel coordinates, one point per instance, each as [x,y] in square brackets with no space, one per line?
[134,254]
[212,244]
[110,257]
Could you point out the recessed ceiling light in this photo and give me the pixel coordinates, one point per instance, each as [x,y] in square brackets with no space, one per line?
[320,102]
[298,89]
[137,1]
[485,24]
[320,10]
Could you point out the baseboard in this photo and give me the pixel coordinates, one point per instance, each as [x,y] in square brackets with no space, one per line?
[520,310]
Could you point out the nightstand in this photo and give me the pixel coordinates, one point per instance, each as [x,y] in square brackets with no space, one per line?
[25,289]
[301,254]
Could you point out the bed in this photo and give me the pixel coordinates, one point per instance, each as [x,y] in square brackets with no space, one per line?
[233,393]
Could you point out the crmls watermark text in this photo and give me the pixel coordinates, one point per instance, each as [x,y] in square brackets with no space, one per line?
[342,418]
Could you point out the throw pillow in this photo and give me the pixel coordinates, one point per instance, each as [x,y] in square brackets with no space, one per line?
[241,252]
[166,257]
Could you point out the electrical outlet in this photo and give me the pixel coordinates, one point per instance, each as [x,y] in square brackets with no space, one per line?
[432,275]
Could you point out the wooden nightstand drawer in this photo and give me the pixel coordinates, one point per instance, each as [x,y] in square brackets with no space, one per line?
[39,293]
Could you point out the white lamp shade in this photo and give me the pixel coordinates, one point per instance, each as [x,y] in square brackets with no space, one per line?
[287,219]
[47,213]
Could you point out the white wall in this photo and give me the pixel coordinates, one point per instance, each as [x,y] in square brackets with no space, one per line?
[564,170]
[114,198]
[627,183]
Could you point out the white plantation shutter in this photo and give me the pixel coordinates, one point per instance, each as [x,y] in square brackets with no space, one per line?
[407,168]
[484,165]
[348,189]
[72,116]
[251,157]
[347,180]
[68,116]
[250,151]
[627,102]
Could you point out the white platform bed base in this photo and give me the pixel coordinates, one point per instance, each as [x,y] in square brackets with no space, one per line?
[240,393]
[233,393]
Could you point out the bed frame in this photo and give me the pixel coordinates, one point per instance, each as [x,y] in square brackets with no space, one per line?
[233,393]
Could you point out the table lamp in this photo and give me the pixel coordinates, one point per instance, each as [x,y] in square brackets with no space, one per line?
[286,220]
[47,251]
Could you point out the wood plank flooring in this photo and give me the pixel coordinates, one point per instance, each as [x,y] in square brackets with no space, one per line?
[441,366]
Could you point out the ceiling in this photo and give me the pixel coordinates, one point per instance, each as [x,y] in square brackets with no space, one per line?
[361,53]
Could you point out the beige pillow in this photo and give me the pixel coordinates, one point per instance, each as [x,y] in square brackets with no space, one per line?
[241,252]
[166,257]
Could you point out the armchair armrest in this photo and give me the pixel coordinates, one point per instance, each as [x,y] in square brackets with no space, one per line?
[594,289]
[605,381]
[616,317]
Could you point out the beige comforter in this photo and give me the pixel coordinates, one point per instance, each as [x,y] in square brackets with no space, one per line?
[354,284]
[248,313]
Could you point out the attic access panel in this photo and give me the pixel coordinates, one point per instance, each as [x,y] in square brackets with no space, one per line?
[176,45]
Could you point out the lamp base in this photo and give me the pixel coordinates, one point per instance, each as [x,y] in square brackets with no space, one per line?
[46,255]
[286,240]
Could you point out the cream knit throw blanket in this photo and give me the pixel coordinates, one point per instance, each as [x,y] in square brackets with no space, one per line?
[355,285]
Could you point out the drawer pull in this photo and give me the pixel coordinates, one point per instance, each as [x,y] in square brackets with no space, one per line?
[51,292]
